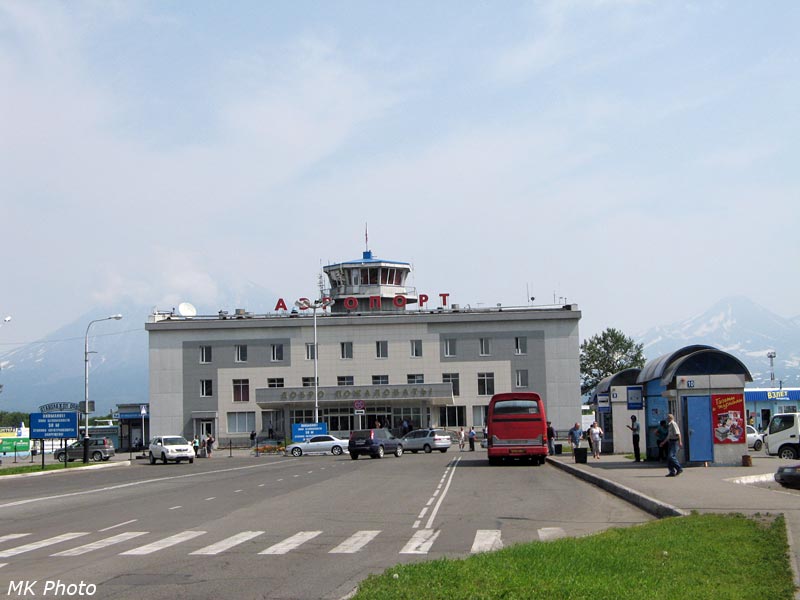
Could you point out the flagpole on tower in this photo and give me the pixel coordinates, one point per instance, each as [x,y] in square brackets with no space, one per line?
[366,237]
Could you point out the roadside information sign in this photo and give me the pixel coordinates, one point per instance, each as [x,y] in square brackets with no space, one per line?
[305,431]
[54,425]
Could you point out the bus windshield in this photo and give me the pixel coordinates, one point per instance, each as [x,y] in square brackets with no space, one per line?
[516,407]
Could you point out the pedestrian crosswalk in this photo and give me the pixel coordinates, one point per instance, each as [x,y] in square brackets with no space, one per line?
[421,542]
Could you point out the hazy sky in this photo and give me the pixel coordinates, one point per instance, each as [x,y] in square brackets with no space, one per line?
[640,159]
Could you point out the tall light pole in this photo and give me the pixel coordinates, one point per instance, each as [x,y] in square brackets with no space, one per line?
[771,356]
[305,304]
[86,385]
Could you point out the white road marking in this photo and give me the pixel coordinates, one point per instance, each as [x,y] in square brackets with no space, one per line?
[291,543]
[260,485]
[64,537]
[212,498]
[355,542]
[420,542]
[441,498]
[175,507]
[281,479]
[12,536]
[486,540]
[115,539]
[135,483]
[416,525]
[178,538]
[430,501]
[118,525]
[551,533]
[3,565]
[237,491]
[422,514]
[228,543]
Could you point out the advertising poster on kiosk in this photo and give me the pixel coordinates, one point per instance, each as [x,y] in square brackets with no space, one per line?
[727,414]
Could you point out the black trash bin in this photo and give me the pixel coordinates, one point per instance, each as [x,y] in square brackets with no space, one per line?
[580,455]
[559,448]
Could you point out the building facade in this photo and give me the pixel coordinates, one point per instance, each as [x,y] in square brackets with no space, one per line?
[377,359]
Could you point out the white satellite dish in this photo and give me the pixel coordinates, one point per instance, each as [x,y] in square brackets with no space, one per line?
[187,309]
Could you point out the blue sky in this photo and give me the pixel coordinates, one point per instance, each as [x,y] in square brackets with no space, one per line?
[636,158]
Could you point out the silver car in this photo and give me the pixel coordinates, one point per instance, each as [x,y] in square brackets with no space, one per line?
[318,444]
[427,440]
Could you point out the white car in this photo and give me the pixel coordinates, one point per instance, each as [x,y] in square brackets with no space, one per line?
[170,447]
[427,440]
[755,440]
[318,444]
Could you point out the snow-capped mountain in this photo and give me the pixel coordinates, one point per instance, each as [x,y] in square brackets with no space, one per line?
[52,369]
[741,327]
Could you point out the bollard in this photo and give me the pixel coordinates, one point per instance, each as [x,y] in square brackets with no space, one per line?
[747,460]
[230,448]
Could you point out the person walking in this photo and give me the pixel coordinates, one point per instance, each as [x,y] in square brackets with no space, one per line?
[209,445]
[196,446]
[574,437]
[673,442]
[462,439]
[253,438]
[472,439]
[551,439]
[596,435]
[634,427]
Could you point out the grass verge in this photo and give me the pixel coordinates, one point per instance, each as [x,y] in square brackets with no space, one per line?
[699,556]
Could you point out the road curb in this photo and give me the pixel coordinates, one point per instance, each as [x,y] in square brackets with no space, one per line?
[62,470]
[646,503]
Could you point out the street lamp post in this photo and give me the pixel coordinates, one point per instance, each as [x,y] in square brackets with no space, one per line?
[304,304]
[86,385]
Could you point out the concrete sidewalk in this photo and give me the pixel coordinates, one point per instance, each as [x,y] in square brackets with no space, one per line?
[701,489]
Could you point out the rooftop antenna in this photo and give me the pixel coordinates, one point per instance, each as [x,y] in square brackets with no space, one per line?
[366,237]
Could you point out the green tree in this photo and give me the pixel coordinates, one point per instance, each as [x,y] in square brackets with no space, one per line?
[605,354]
[13,419]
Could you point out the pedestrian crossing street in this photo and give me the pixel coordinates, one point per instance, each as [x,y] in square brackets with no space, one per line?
[421,542]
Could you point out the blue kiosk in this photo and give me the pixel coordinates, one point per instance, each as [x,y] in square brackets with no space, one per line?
[703,387]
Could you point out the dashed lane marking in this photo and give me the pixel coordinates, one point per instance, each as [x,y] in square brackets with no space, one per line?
[114,539]
[291,543]
[486,540]
[178,538]
[228,543]
[64,537]
[355,542]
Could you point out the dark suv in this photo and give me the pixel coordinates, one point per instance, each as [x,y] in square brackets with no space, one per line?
[99,449]
[375,442]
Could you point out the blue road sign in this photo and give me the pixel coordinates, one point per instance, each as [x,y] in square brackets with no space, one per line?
[54,425]
[305,431]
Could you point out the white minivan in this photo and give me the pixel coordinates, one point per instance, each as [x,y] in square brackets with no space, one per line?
[783,436]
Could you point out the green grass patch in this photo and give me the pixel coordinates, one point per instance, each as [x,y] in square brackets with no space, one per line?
[700,556]
[37,468]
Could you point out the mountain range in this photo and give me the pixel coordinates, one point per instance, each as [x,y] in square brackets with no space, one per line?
[52,369]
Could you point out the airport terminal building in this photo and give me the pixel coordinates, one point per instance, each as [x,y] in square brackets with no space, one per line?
[384,354]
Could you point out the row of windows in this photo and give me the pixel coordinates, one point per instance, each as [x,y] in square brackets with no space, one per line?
[241,387]
[381,350]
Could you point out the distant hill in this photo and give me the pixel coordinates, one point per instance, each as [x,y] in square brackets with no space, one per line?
[52,369]
[741,327]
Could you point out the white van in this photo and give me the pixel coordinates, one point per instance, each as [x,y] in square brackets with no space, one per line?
[783,436]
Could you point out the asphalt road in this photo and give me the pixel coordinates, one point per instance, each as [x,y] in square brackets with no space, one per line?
[275,527]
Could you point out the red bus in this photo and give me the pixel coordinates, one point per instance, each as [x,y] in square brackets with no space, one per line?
[516,428]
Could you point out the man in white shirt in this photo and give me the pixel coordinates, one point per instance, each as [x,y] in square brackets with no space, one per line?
[673,442]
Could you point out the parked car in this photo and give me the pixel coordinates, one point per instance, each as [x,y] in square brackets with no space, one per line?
[755,440]
[318,444]
[374,442]
[783,436]
[170,447]
[788,476]
[426,440]
[99,449]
